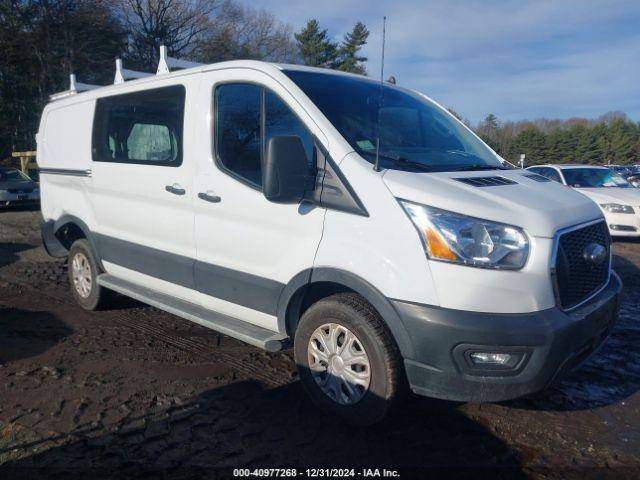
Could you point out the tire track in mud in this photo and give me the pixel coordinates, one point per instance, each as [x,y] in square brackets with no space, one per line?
[53,274]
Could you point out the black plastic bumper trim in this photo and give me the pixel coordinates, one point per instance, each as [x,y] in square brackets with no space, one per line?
[554,342]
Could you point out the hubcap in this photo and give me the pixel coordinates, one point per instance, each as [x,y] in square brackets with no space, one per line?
[339,364]
[81,272]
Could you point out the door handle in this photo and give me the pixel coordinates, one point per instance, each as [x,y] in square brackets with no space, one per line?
[176,189]
[208,197]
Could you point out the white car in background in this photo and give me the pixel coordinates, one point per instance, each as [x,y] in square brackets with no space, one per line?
[616,197]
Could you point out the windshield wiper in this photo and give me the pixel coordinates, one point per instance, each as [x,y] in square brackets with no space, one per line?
[399,160]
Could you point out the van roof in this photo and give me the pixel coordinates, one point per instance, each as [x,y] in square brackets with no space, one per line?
[266,67]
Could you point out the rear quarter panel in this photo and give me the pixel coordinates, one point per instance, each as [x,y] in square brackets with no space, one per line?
[64,142]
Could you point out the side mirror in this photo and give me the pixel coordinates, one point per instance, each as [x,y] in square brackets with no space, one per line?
[285,170]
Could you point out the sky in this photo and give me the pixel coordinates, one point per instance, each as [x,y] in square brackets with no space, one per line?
[515,59]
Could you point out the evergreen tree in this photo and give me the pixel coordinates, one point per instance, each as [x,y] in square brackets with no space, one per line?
[316,49]
[611,138]
[587,147]
[41,43]
[488,131]
[622,140]
[532,143]
[491,121]
[561,146]
[349,59]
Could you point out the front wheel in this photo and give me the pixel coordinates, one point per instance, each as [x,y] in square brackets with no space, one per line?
[347,359]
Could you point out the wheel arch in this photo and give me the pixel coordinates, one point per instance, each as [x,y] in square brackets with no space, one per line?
[58,236]
[312,285]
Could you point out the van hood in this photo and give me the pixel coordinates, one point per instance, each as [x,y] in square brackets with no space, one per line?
[627,196]
[540,208]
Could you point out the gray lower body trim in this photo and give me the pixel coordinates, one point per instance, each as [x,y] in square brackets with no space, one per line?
[251,291]
[247,332]
[149,261]
[241,288]
[51,244]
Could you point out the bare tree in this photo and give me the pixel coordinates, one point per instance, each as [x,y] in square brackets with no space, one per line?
[238,32]
[177,24]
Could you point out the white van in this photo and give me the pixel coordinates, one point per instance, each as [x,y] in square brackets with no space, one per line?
[616,197]
[244,196]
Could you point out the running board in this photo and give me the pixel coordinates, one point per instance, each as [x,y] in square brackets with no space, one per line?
[245,331]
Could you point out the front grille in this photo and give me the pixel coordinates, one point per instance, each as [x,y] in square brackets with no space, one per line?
[577,278]
[20,190]
[486,181]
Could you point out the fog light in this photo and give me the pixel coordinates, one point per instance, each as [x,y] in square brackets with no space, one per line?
[484,358]
[623,228]
[495,360]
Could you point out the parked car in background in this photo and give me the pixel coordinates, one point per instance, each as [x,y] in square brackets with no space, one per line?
[622,170]
[615,196]
[16,188]
[634,179]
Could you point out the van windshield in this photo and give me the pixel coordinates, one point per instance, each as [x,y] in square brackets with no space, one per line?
[415,134]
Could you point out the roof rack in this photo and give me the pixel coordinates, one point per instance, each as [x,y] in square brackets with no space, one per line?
[123,74]
[165,65]
[74,87]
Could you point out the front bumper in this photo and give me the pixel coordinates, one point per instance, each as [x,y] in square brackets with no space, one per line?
[551,342]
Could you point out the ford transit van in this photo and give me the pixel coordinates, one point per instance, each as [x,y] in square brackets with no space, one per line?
[360,224]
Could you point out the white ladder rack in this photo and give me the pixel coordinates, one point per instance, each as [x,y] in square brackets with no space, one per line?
[165,65]
[124,74]
[74,87]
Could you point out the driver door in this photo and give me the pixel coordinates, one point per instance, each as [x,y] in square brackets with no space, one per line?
[247,248]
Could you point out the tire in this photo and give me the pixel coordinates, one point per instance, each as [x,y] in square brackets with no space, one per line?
[88,294]
[349,313]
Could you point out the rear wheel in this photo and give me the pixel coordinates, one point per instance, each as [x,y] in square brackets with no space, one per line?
[83,272]
[347,359]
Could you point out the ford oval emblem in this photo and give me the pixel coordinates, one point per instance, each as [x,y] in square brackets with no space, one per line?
[594,253]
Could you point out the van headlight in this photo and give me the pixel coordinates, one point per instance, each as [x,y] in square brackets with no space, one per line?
[617,208]
[456,238]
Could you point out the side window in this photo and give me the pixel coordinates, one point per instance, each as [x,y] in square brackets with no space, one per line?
[243,128]
[280,120]
[547,172]
[552,174]
[141,127]
[237,135]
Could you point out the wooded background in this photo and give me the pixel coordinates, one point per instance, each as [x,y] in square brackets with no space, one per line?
[42,41]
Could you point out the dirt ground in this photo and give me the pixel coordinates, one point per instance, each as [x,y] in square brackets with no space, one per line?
[134,392]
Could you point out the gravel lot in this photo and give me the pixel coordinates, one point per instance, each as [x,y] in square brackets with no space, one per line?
[149,395]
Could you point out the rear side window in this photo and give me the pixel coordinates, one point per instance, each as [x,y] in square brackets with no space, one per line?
[142,127]
[247,116]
